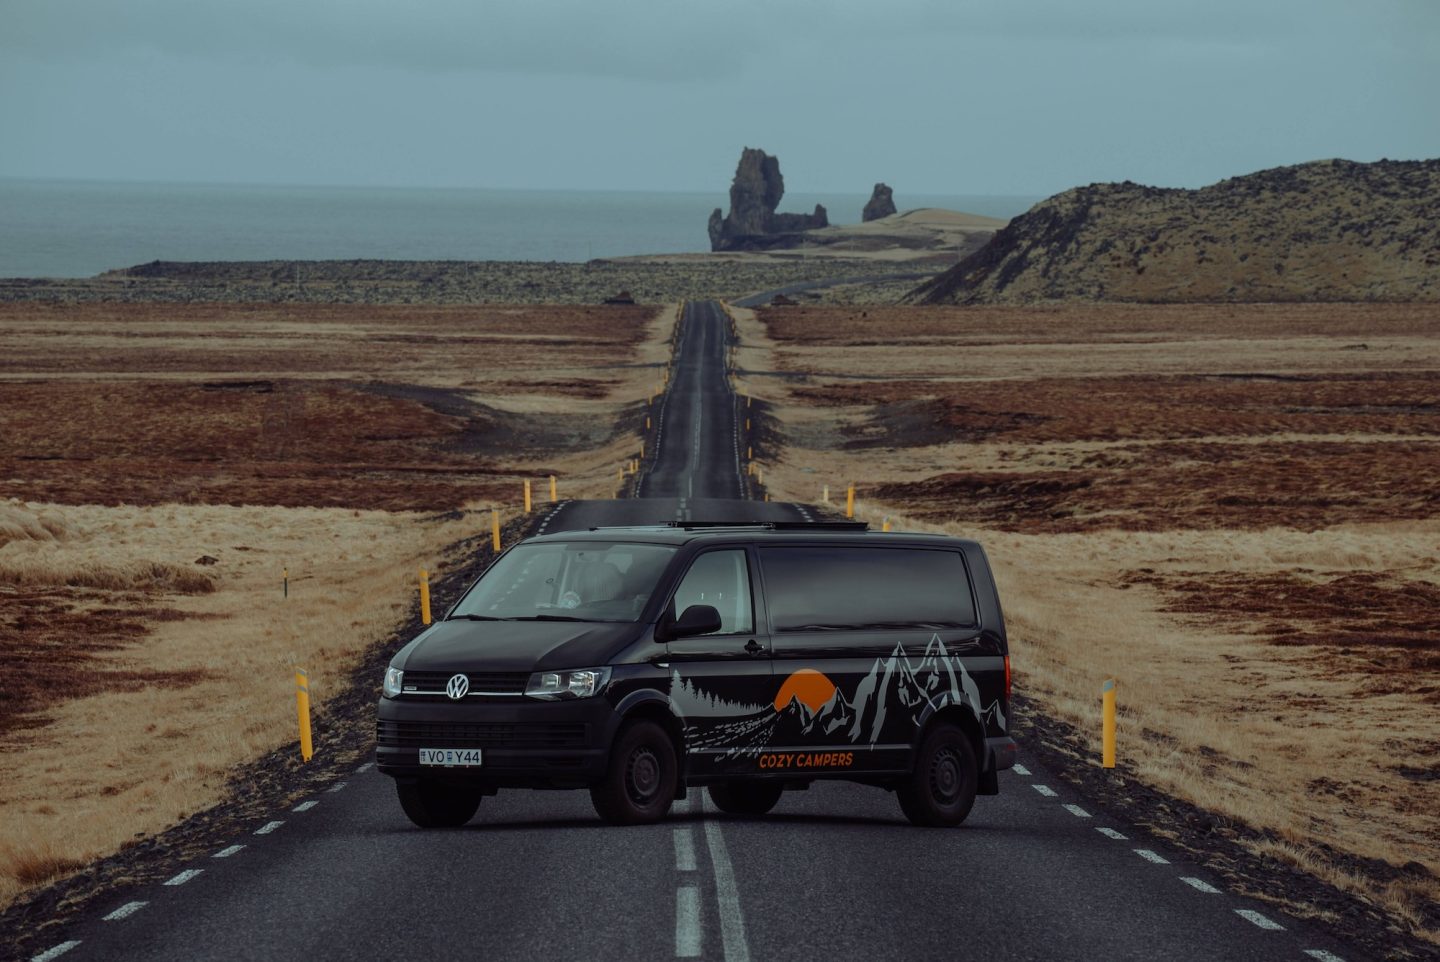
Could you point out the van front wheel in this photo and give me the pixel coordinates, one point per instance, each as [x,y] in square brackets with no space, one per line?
[941,790]
[745,798]
[640,783]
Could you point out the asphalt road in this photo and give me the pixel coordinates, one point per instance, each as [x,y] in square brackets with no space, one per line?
[835,872]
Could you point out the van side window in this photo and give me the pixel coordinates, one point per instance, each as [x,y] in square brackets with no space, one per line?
[837,588]
[720,579]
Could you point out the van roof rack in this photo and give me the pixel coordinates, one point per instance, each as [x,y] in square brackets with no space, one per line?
[775,525]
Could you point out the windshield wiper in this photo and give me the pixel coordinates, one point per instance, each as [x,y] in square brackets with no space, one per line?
[472,618]
[547,618]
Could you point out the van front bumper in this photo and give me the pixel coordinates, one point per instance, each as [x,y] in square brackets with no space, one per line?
[523,743]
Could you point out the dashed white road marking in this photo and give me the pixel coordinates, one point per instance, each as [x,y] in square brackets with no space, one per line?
[1150,856]
[125,911]
[684,850]
[1045,790]
[732,923]
[336,787]
[305,806]
[1077,811]
[185,876]
[1199,885]
[55,951]
[1111,833]
[227,852]
[364,768]
[1323,956]
[1250,915]
[268,827]
[687,922]
[1020,769]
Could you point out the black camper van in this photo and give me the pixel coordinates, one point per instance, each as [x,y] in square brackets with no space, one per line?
[745,658]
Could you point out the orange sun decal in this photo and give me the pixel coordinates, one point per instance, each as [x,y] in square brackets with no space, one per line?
[810,686]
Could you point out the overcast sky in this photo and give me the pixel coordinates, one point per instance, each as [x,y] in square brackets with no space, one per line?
[931,96]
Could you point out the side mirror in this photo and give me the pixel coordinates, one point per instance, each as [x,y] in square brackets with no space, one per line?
[695,620]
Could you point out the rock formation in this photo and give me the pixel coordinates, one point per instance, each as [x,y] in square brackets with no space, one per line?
[752,223]
[882,204]
[1331,230]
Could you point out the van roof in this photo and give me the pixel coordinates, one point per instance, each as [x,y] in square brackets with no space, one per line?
[683,532]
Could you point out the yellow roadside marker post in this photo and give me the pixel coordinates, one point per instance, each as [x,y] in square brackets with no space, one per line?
[747,424]
[424,597]
[642,449]
[1107,724]
[527,495]
[825,494]
[302,707]
[495,529]
[886,525]
[554,495]
[850,502]
[647,422]
[285,581]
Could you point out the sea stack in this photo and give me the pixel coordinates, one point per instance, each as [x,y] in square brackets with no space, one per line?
[752,223]
[882,204]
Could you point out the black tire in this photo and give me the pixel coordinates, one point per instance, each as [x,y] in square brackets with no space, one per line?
[941,790]
[745,798]
[640,783]
[433,805]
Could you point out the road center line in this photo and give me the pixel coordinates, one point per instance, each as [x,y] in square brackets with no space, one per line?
[1111,833]
[268,827]
[364,768]
[732,923]
[1077,811]
[125,911]
[1045,790]
[1250,915]
[336,787]
[687,922]
[684,850]
[1150,856]
[55,951]
[1020,769]
[185,876]
[1200,885]
[1323,956]
[305,806]
[227,852]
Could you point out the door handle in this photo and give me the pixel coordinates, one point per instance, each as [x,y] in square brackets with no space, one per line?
[754,648]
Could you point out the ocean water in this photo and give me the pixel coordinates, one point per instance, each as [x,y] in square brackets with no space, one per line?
[81,228]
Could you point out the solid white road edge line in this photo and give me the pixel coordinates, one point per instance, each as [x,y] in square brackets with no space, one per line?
[1077,811]
[305,806]
[1045,790]
[687,922]
[268,827]
[55,951]
[1250,915]
[732,924]
[227,852]
[125,911]
[1200,885]
[1111,833]
[684,850]
[185,876]
[1150,856]
[1020,769]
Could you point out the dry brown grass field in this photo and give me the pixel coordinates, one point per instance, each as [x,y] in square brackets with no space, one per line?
[161,465]
[1231,509]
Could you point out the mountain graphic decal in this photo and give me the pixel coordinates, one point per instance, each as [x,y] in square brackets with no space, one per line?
[809,708]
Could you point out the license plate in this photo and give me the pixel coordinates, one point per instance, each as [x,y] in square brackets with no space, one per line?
[450,757]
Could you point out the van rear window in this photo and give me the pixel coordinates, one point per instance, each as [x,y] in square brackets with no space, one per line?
[823,588]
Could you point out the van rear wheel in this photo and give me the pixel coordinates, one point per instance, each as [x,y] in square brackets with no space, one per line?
[745,798]
[941,790]
[640,783]
[432,805]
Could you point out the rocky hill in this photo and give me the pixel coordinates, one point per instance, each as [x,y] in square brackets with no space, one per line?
[1332,230]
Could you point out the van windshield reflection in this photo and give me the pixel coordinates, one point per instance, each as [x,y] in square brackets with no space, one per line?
[567,581]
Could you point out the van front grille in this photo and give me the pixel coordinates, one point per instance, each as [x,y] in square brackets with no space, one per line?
[424,734]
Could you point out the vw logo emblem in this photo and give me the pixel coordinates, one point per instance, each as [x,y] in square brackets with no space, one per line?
[457,686]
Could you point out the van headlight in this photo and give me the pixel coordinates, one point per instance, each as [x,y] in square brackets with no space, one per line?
[393,679]
[554,685]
